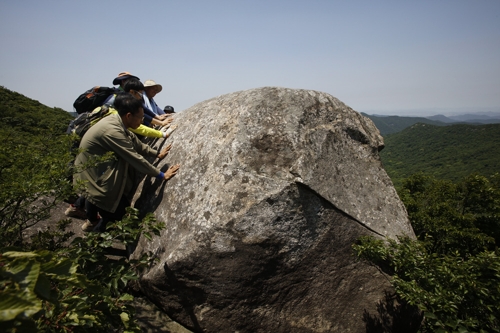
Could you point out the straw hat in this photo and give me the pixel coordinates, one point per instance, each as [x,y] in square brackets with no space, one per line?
[151,83]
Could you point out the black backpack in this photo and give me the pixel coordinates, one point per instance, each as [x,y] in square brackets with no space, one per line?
[85,120]
[92,98]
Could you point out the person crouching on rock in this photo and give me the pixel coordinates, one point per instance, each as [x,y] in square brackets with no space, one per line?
[109,184]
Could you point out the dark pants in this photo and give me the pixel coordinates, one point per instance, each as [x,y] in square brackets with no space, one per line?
[93,210]
[80,202]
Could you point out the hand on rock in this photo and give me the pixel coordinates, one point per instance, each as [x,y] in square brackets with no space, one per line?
[164,116]
[164,152]
[169,130]
[166,121]
[171,171]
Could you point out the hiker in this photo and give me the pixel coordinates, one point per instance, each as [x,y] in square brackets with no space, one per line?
[151,88]
[77,208]
[119,81]
[122,78]
[168,109]
[109,184]
[136,88]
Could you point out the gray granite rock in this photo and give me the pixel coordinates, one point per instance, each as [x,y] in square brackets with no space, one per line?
[275,185]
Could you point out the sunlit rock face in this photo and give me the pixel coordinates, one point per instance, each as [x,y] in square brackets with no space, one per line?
[275,186]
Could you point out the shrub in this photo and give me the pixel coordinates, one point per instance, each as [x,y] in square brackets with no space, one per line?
[452,271]
[77,288]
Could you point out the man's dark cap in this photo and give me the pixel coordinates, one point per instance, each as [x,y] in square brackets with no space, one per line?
[169,109]
[123,76]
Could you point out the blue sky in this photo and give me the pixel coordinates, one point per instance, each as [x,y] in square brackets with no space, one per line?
[389,57]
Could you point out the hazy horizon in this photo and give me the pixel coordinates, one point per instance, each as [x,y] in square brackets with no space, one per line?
[449,112]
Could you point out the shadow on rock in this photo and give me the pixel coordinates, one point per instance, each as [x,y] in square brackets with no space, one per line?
[188,298]
[393,315]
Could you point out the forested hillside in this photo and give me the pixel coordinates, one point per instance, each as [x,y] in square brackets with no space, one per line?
[20,113]
[34,156]
[449,152]
[393,124]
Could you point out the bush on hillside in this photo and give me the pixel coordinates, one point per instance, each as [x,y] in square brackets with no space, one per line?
[34,178]
[452,271]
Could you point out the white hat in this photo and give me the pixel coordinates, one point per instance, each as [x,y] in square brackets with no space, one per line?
[151,83]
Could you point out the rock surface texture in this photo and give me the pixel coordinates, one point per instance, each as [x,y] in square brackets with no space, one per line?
[275,185]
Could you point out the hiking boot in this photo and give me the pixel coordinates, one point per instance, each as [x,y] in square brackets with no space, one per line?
[76,212]
[89,226]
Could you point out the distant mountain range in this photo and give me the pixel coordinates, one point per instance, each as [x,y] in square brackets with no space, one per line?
[468,118]
[393,124]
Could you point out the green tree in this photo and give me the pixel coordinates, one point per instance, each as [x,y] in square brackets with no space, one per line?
[449,217]
[34,178]
[34,159]
[452,271]
[456,294]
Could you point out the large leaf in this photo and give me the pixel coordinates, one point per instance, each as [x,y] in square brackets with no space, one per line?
[12,304]
[19,254]
[65,267]
[43,289]
[25,272]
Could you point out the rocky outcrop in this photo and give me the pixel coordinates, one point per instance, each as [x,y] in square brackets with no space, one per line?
[275,185]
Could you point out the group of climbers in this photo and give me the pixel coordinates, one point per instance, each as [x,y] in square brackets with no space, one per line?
[108,184]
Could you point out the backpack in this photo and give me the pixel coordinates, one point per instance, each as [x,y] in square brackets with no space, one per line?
[92,98]
[80,126]
[85,120]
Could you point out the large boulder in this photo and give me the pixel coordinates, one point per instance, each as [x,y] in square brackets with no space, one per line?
[275,186]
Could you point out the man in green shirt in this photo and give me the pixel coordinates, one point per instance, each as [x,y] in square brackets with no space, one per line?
[109,184]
